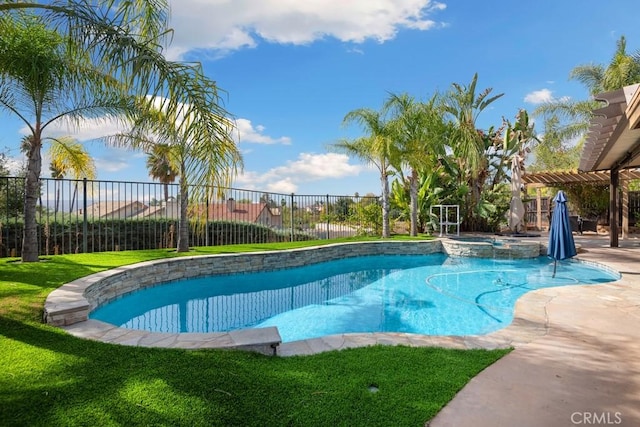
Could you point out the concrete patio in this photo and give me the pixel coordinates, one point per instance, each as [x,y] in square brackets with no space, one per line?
[585,370]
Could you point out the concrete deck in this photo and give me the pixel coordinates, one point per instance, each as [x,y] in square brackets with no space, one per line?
[585,370]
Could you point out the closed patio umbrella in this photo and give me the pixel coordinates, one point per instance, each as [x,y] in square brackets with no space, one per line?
[561,245]
[516,207]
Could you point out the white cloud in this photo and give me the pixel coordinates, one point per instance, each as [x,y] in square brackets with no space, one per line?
[544,95]
[14,164]
[91,129]
[284,186]
[319,166]
[539,96]
[356,50]
[85,130]
[255,134]
[225,25]
[114,160]
[307,168]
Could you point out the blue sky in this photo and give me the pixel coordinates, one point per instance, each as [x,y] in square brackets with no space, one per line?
[293,69]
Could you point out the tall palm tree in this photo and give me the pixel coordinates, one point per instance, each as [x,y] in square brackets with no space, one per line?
[575,115]
[420,134]
[159,163]
[468,143]
[80,58]
[375,148]
[42,82]
[205,159]
[623,70]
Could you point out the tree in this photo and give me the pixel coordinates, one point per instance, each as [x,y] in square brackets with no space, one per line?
[42,81]
[519,139]
[420,134]
[623,70]
[555,153]
[566,120]
[11,190]
[160,166]
[574,117]
[69,156]
[376,148]
[469,144]
[200,151]
[78,58]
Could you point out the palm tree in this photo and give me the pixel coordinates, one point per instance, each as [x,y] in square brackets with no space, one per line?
[376,148]
[205,158]
[469,144]
[40,78]
[575,116]
[555,154]
[66,155]
[623,70]
[69,156]
[79,59]
[160,166]
[419,131]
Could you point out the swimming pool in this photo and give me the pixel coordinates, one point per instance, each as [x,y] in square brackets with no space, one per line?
[424,294]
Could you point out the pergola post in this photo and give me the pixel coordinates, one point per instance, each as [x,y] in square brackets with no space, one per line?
[613,208]
[625,209]
[539,208]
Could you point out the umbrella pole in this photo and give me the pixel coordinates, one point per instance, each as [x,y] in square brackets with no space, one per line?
[555,264]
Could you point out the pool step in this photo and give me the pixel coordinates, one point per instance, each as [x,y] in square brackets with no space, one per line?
[263,340]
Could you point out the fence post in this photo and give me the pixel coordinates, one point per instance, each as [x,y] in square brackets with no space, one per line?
[328,220]
[206,223]
[84,216]
[625,208]
[291,217]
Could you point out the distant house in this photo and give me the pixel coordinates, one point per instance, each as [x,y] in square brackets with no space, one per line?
[258,213]
[314,209]
[152,212]
[115,209]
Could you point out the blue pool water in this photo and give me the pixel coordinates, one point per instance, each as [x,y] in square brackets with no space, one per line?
[426,294]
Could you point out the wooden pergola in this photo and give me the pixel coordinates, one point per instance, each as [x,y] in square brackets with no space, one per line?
[611,152]
[552,179]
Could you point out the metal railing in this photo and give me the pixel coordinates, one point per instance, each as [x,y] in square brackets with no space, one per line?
[94,216]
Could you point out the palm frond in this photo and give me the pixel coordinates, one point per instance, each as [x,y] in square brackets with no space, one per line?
[590,76]
[69,156]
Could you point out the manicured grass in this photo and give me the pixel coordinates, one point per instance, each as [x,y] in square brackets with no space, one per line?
[51,378]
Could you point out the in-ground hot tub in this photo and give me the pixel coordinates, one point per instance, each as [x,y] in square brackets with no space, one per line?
[490,247]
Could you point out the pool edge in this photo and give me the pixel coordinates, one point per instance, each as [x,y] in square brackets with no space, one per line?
[69,307]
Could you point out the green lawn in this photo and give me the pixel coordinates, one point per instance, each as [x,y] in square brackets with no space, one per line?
[50,378]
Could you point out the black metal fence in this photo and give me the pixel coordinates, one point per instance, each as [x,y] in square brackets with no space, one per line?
[94,216]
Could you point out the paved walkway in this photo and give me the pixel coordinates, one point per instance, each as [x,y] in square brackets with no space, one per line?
[585,370]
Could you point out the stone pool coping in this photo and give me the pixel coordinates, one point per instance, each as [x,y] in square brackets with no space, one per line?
[69,305]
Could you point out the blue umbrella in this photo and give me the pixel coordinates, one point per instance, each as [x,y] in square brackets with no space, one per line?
[561,245]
